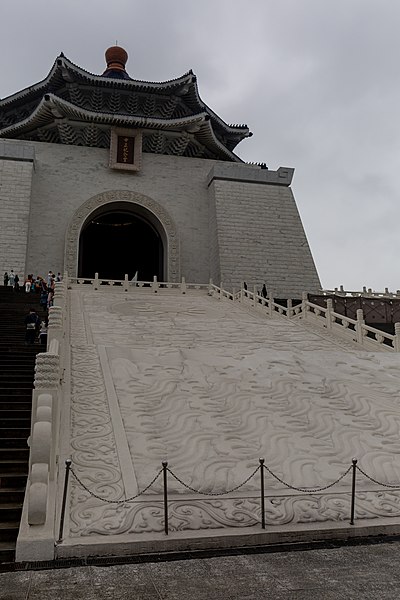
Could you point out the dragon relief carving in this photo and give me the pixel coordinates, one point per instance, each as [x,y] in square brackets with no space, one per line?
[308,411]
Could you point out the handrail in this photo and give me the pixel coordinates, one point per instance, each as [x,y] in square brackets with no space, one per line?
[367,292]
[127,284]
[354,329]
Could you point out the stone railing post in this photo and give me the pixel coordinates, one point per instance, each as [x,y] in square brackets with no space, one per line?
[55,327]
[183,286]
[328,314]
[210,287]
[359,324]
[154,285]
[59,294]
[126,282]
[396,342]
[270,304]
[289,308]
[96,281]
[255,300]
[304,299]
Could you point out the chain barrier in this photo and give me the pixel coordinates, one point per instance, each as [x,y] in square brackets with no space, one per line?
[116,501]
[165,469]
[307,490]
[388,485]
[237,487]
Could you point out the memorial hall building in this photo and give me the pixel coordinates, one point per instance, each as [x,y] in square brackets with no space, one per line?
[109,174]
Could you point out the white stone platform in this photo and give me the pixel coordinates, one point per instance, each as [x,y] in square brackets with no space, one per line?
[210,387]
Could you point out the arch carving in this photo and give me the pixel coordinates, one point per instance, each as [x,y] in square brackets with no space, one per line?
[135,198]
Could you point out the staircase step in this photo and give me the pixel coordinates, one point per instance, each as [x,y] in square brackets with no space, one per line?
[12,480]
[15,432]
[14,466]
[10,512]
[15,423]
[14,413]
[16,368]
[17,377]
[15,405]
[7,552]
[22,391]
[13,389]
[10,494]
[14,454]
[14,442]
[9,531]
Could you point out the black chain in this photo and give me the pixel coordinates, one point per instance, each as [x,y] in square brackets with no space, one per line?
[307,490]
[237,487]
[213,493]
[116,501]
[388,485]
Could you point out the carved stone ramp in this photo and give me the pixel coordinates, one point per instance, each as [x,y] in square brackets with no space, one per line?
[210,388]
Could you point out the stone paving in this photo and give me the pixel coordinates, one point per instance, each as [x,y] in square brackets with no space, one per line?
[361,572]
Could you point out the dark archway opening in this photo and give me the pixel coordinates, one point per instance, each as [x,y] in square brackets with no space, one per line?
[118,242]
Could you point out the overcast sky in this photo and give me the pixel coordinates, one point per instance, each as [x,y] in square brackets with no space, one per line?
[317,81]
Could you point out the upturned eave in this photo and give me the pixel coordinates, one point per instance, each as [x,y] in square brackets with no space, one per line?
[65,71]
[53,109]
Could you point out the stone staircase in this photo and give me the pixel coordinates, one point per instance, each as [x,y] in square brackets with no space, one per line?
[17,363]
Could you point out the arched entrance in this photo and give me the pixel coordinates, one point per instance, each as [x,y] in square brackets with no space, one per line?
[113,209]
[119,239]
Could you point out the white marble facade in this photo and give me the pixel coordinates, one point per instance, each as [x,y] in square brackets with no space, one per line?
[211,387]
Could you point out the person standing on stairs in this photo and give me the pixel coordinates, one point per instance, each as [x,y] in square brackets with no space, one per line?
[11,278]
[32,325]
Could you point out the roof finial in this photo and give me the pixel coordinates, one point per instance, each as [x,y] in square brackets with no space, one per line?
[116,58]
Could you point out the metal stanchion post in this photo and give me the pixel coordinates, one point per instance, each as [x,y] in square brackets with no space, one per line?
[164,466]
[353,491]
[64,500]
[262,493]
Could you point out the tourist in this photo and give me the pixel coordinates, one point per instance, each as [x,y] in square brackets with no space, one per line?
[32,324]
[58,278]
[264,292]
[51,289]
[38,282]
[28,282]
[43,294]
[16,283]
[11,278]
[6,278]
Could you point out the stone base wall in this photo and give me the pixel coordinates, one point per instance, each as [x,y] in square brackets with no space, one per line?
[259,232]
[16,168]
[234,222]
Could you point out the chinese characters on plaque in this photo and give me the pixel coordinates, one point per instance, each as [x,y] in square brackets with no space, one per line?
[126,149]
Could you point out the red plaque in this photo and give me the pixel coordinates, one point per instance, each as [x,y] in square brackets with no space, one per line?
[126,150]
